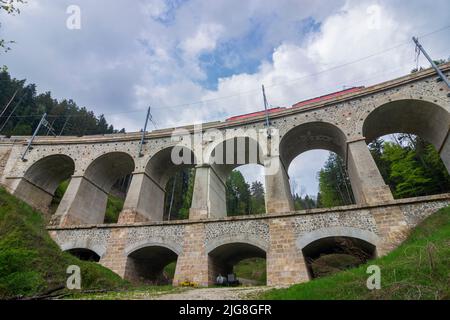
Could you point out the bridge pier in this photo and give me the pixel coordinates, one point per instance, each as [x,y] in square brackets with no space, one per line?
[285,263]
[367,183]
[83,203]
[36,196]
[144,201]
[278,192]
[209,196]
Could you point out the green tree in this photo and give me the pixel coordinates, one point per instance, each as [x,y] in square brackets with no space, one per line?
[257,198]
[237,194]
[334,183]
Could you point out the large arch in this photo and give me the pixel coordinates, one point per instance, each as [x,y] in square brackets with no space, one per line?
[336,248]
[223,257]
[38,184]
[146,263]
[220,159]
[86,197]
[306,137]
[146,197]
[425,119]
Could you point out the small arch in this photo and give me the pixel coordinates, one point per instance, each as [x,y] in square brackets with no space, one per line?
[84,254]
[224,260]
[99,250]
[352,232]
[175,247]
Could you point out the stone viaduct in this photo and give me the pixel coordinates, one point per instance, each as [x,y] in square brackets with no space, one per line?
[140,244]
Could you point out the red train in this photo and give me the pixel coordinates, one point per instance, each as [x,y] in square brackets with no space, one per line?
[298,104]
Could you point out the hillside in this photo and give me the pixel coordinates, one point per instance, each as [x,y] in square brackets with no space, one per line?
[31,263]
[418,269]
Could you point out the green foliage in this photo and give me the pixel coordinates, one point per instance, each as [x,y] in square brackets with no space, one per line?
[257,201]
[179,191]
[417,269]
[252,269]
[304,203]
[30,262]
[65,114]
[238,194]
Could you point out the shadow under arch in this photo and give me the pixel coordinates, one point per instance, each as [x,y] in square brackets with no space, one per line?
[146,264]
[223,257]
[86,197]
[39,183]
[359,244]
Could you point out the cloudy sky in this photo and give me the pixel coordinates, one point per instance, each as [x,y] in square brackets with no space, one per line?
[197,61]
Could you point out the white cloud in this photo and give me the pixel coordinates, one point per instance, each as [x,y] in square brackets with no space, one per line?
[204,40]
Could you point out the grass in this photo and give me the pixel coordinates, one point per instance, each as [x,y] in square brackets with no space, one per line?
[417,269]
[31,263]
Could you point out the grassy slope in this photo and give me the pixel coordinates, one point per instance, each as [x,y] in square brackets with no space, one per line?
[30,262]
[418,269]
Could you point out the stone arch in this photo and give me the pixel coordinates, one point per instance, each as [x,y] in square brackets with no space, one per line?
[106,169]
[312,136]
[175,247]
[351,232]
[146,199]
[39,182]
[423,118]
[86,197]
[145,262]
[160,167]
[84,254]
[241,238]
[355,245]
[224,255]
[420,117]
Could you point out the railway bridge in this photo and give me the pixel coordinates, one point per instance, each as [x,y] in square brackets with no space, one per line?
[141,243]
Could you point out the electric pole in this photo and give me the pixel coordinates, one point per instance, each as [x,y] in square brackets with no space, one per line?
[439,72]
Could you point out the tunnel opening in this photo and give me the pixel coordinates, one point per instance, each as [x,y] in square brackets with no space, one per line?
[330,255]
[84,254]
[238,264]
[153,265]
[408,141]
[245,191]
